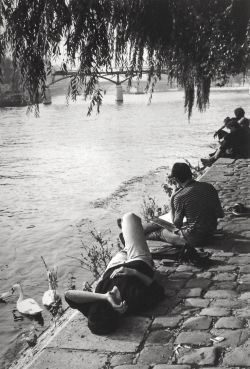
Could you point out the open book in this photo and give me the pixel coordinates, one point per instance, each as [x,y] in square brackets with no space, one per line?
[165,221]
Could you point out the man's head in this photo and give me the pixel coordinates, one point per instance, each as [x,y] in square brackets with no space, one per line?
[181,172]
[239,113]
[102,318]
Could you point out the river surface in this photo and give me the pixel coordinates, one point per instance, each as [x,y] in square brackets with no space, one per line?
[64,167]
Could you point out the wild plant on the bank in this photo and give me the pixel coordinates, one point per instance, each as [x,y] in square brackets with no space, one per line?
[56,307]
[151,210]
[96,255]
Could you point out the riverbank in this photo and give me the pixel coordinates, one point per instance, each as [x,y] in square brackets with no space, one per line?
[200,305]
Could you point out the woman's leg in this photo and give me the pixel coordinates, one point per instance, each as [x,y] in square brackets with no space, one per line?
[134,237]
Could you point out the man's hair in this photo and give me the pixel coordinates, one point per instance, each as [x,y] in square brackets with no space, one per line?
[102,318]
[239,113]
[181,171]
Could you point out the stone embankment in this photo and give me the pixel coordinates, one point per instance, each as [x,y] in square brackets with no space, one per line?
[203,321]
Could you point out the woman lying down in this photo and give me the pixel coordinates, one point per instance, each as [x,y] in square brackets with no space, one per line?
[126,287]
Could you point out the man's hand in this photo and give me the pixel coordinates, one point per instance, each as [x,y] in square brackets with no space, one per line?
[122,271]
[114,298]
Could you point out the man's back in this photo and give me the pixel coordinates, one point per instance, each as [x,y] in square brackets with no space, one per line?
[237,143]
[200,204]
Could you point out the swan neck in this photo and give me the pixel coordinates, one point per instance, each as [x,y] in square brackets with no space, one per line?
[20,294]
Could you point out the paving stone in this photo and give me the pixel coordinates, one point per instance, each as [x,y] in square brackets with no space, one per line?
[223,268]
[131,366]
[175,284]
[240,356]
[155,354]
[163,270]
[58,359]
[223,286]
[245,296]
[206,275]
[202,283]
[166,366]
[127,338]
[215,311]
[227,303]
[190,292]
[244,278]
[224,277]
[244,269]
[220,294]
[239,260]
[202,356]
[230,323]
[159,337]
[187,268]
[233,337]
[185,311]
[122,359]
[242,313]
[226,254]
[243,287]
[166,322]
[197,302]
[197,323]
[196,338]
[183,275]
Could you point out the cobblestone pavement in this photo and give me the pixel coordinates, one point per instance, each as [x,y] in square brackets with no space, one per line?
[203,321]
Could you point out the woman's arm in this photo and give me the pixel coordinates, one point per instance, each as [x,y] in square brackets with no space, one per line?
[133,273]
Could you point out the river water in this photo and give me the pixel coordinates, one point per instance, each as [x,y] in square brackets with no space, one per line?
[63,168]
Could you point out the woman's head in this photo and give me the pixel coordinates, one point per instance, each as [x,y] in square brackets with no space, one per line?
[102,318]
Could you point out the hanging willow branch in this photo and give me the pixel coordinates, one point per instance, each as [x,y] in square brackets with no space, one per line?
[194,41]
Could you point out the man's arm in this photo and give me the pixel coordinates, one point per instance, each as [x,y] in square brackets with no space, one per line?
[177,210]
[133,273]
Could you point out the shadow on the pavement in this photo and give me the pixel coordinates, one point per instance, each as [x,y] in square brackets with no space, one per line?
[231,242]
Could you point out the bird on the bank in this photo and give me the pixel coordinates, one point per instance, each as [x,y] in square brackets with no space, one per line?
[50,297]
[26,306]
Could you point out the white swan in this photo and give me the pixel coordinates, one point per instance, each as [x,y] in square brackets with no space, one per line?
[26,306]
[50,296]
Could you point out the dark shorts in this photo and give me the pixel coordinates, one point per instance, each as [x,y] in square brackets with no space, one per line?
[195,239]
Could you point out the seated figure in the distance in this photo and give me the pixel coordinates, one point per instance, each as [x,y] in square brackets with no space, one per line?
[127,286]
[235,145]
[240,116]
[241,119]
[197,202]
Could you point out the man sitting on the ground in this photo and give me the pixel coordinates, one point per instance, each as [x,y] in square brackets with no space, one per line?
[235,145]
[198,202]
[127,286]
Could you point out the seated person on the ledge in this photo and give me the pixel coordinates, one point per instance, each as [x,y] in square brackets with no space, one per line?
[126,287]
[235,144]
[198,202]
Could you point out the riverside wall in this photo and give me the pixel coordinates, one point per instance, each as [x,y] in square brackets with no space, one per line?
[200,306]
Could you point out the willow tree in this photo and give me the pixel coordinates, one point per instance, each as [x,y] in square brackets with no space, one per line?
[194,41]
